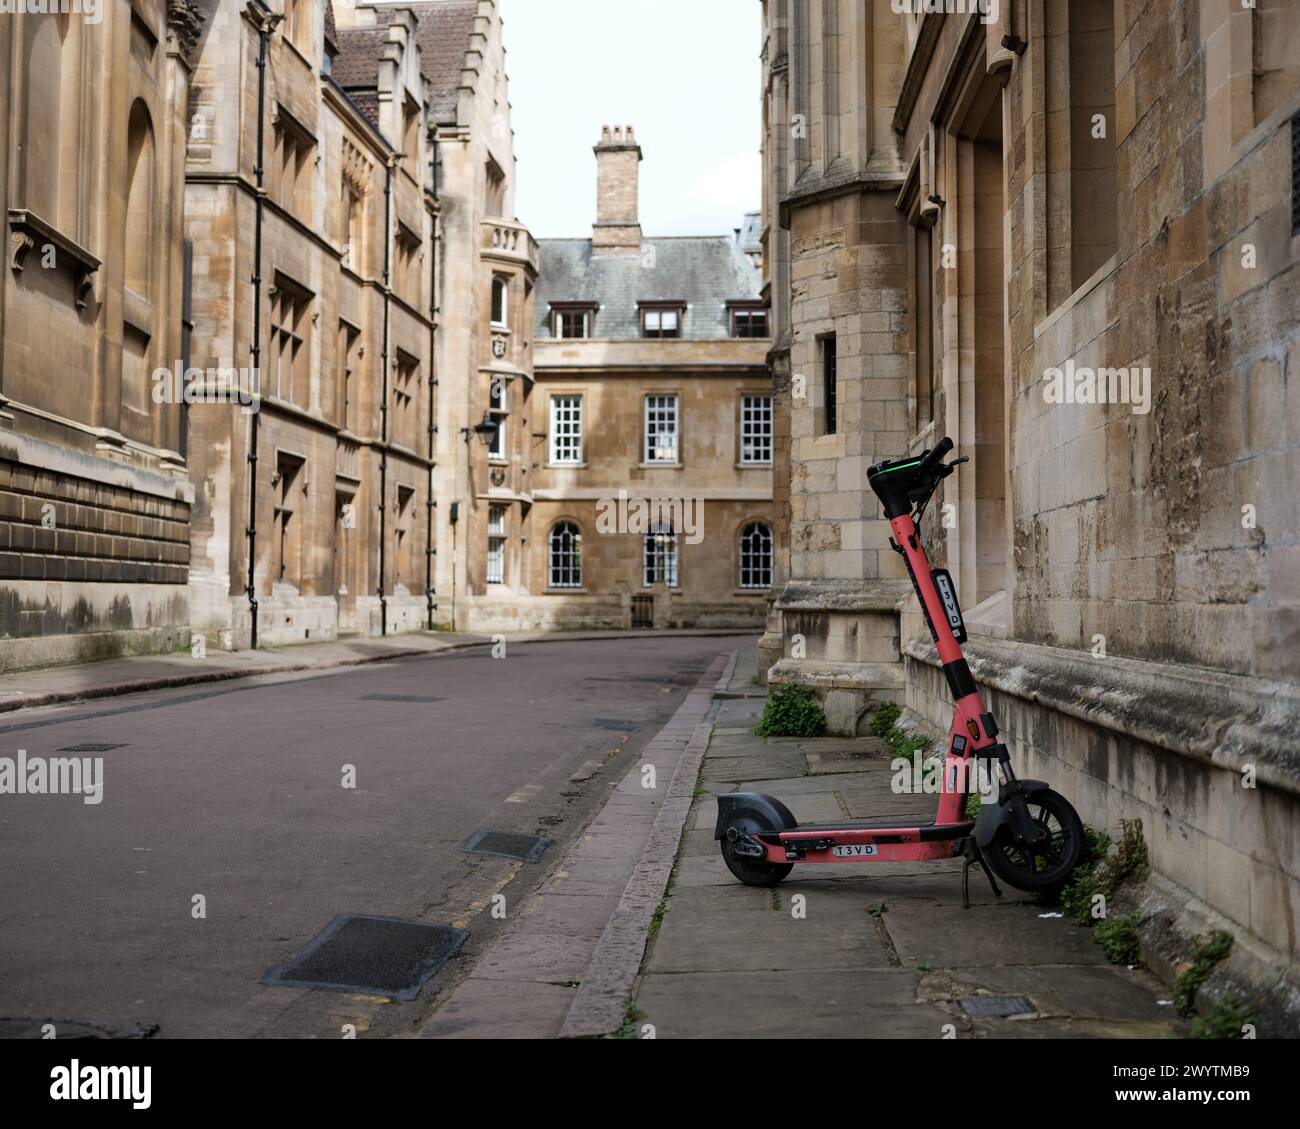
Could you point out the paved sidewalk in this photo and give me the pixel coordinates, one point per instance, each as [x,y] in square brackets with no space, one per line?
[567,959]
[885,949]
[111,677]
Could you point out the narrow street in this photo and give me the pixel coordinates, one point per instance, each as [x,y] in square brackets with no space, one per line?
[235,793]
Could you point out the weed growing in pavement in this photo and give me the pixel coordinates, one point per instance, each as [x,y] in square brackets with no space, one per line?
[657,919]
[792,710]
[1118,936]
[1207,952]
[1228,1019]
[1102,871]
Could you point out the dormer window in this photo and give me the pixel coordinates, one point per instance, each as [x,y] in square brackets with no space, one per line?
[662,320]
[748,319]
[571,321]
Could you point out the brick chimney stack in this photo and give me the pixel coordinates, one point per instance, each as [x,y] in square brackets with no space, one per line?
[617,230]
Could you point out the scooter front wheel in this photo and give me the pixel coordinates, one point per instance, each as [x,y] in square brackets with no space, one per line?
[751,872]
[1047,868]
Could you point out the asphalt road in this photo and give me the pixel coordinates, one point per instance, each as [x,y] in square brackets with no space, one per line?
[235,792]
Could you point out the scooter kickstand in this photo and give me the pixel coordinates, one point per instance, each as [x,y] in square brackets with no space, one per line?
[973,856]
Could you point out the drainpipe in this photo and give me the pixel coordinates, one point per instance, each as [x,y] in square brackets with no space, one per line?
[433,384]
[268,24]
[383,406]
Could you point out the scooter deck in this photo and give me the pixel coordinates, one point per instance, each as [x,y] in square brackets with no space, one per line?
[926,831]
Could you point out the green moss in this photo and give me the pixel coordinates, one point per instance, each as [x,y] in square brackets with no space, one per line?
[792,710]
[1207,952]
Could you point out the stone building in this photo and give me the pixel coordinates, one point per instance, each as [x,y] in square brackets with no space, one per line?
[365,303]
[94,498]
[1065,237]
[488,266]
[323,283]
[652,388]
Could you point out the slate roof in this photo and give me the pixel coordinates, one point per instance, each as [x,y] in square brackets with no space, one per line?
[704,271]
[751,235]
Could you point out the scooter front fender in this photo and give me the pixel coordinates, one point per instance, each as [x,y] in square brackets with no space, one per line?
[752,811]
[993,817]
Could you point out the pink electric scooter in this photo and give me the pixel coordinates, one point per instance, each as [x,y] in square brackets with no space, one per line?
[1031,837]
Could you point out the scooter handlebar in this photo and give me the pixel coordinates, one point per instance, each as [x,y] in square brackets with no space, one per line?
[935,457]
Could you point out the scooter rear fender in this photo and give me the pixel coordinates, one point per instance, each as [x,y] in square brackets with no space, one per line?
[752,811]
[992,817]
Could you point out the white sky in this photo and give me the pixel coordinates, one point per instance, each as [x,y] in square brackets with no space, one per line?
[685,74]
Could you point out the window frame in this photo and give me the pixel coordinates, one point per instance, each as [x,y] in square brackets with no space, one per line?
[745,555]
[502,281]
[573,568]
[561,310]
[747,418]
[577,427]
[499,410]
[647,406]
[657,310]
[497,538]
[748,310]
[661,556]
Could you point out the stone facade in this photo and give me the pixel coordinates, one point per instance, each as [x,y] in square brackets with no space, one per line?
[94,500]
[344,328]
[598,301]
[980,213]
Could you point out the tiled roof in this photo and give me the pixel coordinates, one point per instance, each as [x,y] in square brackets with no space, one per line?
[705,272]
[356,67]
[444,35]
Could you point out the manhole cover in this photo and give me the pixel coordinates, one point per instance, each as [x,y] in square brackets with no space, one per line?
[615,723]
[376,956]
[399,698]
[89,748]
[506,844]
[996,1007]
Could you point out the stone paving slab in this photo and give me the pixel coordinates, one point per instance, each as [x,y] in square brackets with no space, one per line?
[984,935]
[730,961]
[1082,992]
[853,1003]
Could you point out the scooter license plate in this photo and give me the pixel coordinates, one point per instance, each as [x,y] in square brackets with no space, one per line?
[856,851]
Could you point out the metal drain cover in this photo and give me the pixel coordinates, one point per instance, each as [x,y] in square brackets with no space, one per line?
[615,723]
[374,956]
[90,747]
[506,844]
[399,698]
[996,1007]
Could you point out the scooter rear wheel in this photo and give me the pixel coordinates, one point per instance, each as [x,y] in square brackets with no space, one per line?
[1047,869]
[753,873]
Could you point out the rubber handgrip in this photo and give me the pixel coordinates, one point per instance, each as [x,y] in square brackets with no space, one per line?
[936,456]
